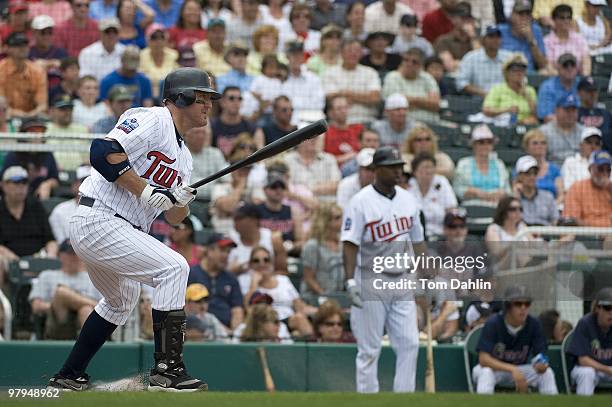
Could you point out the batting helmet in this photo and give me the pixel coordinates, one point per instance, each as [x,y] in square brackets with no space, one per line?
[180,86]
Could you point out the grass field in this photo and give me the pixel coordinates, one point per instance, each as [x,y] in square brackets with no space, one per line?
[217,399]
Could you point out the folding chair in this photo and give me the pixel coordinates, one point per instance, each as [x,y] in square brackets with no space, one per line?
[470,356]
[568,364]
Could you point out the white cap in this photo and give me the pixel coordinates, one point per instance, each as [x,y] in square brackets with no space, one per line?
[41,22]
[482,132]
[365,157]
[597,2]
[15,173]
[589,132]
[83,171]
[525,163]
[106,23]
[396,101]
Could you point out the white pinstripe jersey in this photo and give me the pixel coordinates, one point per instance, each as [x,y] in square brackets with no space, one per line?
[149,138]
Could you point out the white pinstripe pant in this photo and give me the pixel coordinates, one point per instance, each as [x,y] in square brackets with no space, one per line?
[486,379]
[119,258]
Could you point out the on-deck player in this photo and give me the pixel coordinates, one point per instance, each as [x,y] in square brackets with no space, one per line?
[140,169]
[375,208]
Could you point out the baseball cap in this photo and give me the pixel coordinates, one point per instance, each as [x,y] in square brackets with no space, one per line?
[275,178]
[196,292]
[386,156]
[567,101]
[106,23]
[131,57]
[481,132]
[565,58]
[17,39]
[522,5]
[590,132]
[119,92]
[365,157]
[66,247]
[62,100]
[492,30]
[525,163]
[456,214]
[476,311]
[292,47]
[41,22]
[597,2]
[396,101]
[463,9]
[246,210]
[215,22]
[587,83]
[83,171]
[517,59]
[409,20]
[600,157]
[220,240]
[330,30]
[237,47]
[389,37]
[604,296]
[517,292]
[260,298]
[17,5]
[153,28]
[14,174]
[32,122]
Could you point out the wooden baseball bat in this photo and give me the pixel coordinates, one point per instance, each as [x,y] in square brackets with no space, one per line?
[282,144]
[430,373]
[268,380]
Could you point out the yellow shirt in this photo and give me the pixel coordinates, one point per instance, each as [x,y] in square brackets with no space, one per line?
[157,73]
[544,8]
[209,60]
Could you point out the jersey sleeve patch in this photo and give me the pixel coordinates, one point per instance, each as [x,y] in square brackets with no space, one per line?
[347,224]
[128,125]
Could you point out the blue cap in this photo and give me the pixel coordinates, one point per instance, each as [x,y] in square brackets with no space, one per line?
[492,30]
[600,157]
[568,100]
[213,22]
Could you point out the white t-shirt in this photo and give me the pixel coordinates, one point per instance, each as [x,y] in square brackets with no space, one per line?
[60,219]
[267,88]
[242,253]
[87,116]
[347,187]
[593,35]
[283,295]
[435,203]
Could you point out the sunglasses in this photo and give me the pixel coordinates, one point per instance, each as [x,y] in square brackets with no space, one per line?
[484,141]
[532,171]
[519,304]
[564,17]
[47,31]
[419,139]
[569,64]
[234,98]
[330,324]
[81,5]
[515,209]
[286,110]
[539,142]
[111,31]
[456,226]
[277,186]
[158,36]
[606,307]
[21,182]
[261,260]
[603,169]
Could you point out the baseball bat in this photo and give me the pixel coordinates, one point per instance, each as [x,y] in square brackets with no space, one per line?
[263,358]
[282,144]
[430,373]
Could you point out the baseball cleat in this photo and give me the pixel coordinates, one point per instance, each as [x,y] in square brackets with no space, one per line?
[176,380]
[63,383]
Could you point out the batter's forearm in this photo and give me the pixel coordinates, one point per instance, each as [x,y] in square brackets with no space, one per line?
[349,258]
[176,215]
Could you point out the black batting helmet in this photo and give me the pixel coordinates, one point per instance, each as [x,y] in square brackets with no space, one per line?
[180,86]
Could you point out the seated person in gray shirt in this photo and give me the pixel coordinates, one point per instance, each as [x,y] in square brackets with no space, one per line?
[394,128]
[408,37]
[66,296]
[539,206]
[201,325]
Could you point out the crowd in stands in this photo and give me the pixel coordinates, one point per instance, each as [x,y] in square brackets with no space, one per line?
[535,150]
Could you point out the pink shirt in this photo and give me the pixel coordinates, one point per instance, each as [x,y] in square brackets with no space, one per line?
[59,11]
[421,7]
[575,44]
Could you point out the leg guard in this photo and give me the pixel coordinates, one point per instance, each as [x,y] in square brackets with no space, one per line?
[171,334]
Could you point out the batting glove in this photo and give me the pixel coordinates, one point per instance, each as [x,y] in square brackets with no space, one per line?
[158,197]
[184,194]
[354,293]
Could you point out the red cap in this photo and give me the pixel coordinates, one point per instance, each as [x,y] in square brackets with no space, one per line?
[17,5]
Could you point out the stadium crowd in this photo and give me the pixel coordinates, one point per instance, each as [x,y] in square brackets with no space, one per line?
[498,105]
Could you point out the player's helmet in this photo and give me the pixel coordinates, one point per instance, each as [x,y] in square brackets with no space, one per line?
[180,86]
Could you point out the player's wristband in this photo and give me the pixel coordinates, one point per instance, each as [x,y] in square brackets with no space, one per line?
[350,283]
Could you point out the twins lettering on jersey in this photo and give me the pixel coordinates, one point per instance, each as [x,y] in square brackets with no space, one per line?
[389,231]
[163,175]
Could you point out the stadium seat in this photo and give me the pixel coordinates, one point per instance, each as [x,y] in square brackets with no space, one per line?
[536,80]
[470,356]
[295,267]
[447,135]
[479,216]
[456,153]
[200,209]
[568,363]
[602,65]
[66,178]
[201,236]
[509,155]
[457,108]
[450,84]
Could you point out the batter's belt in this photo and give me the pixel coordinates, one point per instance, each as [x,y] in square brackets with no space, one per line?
[87,201]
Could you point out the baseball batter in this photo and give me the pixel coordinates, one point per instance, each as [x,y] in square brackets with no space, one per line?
[382,212]
[140,169]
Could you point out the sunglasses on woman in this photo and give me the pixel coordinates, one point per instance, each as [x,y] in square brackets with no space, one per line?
[261,260]
[515,209]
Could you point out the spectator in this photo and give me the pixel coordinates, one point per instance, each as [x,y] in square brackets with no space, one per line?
[265,42]
[69,85]
[207,160]
[421,139]
[86,110]
[328,324]
[158,59]
[24,228]
[41,166]
[166,12]
[201,325]
[435,67]
[443,310]
[341,139]
[539,208]
[576,167]
[286,300]
[437,22]
[408,37]
[17,20]
[127,74]
[329,50]
[563,132]
[543,10]
[351,184]
[419,87]
[552,325]
[554,88]
[355,19]
[241,27]
[513,96]
[521,338]
[79,31]
[276,13]
[463,38]
[590,115]
[266,87]
[591,346]
[314,168]
[212,9]
[482,176]
[327,12]
[61,123]
[563,39]
[58,10]
[300,18]
[43,52]
[134,16]
[521,34]
[385,16]
[101,9]
[549,176]
[303,88]
[481,69]
[65,297]
[104,56]
[395,126]
[210,53]
[182,241]
[188,29]
[262,325]
[236,57]
[433,192]
[229,124]
[22,82]
[589,201]
[279,126]
[593,26]
[225,297]
[6,126]
[378,59]
[59,219]
[119,100]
